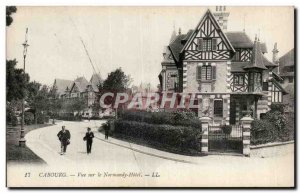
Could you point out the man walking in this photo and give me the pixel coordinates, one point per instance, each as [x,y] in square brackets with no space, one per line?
[64,137]
[106,130]
[89,135]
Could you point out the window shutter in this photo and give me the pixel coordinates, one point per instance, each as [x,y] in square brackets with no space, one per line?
[200,44]
[214,75]
[199,72]
[214,44]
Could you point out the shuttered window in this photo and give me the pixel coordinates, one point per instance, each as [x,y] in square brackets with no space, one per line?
[200,44]
[207,72]
[207,44]
[214,44]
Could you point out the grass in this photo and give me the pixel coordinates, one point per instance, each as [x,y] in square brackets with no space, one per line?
[14,153]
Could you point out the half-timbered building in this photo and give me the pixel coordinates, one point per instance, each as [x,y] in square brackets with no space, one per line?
[226,70]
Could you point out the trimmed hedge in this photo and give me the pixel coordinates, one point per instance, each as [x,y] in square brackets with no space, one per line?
[187,119]
[179,137]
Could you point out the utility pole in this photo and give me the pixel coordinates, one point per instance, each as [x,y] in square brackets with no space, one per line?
[22,140]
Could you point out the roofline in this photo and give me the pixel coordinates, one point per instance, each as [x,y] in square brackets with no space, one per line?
[201,21]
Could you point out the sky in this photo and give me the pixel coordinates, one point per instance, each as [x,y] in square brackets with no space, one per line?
[132,38]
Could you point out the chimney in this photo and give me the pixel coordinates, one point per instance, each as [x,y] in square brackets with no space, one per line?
[275,57]
[221,16]
[275,54]
[179,31]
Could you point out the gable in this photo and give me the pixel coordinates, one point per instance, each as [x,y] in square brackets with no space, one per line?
[208,28]
[74,88]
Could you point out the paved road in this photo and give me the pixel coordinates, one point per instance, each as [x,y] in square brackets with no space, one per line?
[208,171]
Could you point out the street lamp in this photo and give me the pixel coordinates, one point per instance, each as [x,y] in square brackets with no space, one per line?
[22,140]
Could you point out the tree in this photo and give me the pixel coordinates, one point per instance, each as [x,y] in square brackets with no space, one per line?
[116,81]
[38,98]
[9,11]
[16,81]
[75,105]
[55,105]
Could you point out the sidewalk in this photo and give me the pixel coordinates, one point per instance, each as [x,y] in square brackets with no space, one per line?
[146,150]
[163,154]
[255,154]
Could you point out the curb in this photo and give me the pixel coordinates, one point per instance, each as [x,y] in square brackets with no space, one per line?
[271,145]
[147,153]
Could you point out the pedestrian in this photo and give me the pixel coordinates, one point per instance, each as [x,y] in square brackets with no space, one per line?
[64,137]
[106,130]
[89,135]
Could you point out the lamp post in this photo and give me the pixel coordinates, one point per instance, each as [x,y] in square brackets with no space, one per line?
[22,140]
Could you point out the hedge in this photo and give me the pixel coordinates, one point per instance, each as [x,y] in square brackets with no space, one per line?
[262,131]
[188,119]
[180,137]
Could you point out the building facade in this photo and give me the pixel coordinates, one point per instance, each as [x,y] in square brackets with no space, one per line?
[79,88]
[227,71]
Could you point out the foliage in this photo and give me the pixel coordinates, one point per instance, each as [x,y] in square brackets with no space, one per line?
[262,131]
[182,118]
[55,105]
[16,81]
[14,120]
[180,137]
[277,107]
[116,81]
[278,119]
[226,129]
[11,117]
[11,108]
[71,105]
[41,118]
[271,128]
[9,11]
[28,118]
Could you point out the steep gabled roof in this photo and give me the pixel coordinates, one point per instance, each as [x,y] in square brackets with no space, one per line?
[176,46]
[287,59]
[208,14]
[279,86]
[95,81]
[81,84]
[258,58]
[238,66]
[60,85]
[239,39]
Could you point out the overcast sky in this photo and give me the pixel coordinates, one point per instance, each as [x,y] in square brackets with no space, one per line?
[129,37]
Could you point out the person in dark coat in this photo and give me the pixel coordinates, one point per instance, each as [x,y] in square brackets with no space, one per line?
[89,135]
[106,131]
[64,137]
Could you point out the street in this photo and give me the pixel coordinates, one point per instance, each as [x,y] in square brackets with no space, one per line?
[212,170]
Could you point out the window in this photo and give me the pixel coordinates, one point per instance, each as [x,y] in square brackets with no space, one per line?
[237,56]
[206,72]
[207,44]
[290,79]
[218,108]
[214,44]
[239,79]
[265,86]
